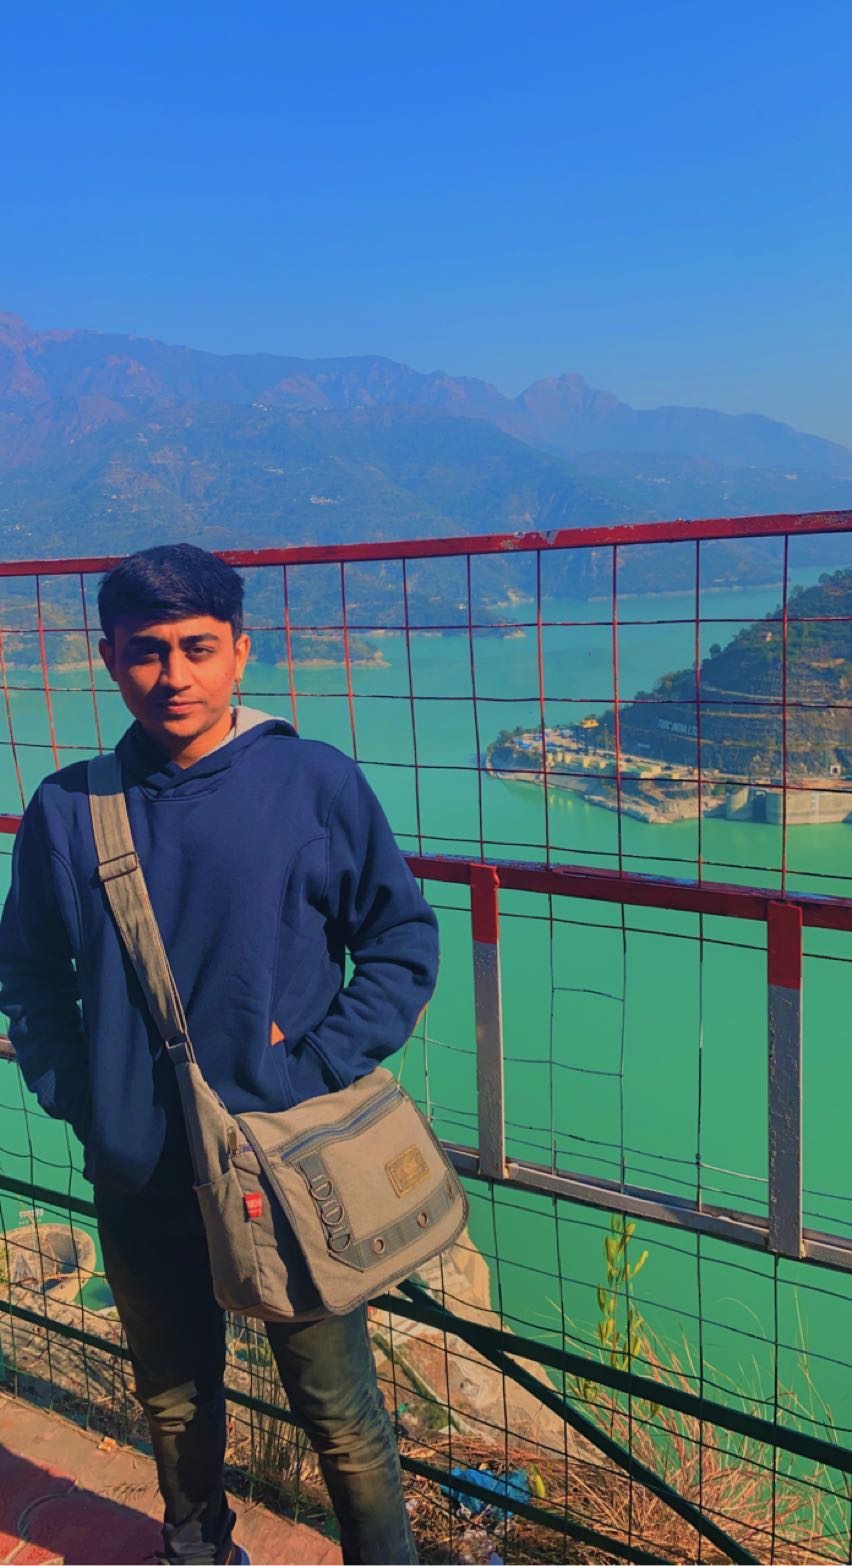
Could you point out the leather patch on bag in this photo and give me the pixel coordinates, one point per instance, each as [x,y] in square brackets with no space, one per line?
[407,1170]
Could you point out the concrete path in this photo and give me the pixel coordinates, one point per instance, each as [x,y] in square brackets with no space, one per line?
[68,1495]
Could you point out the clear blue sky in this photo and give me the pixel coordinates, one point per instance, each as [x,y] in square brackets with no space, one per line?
[653,193]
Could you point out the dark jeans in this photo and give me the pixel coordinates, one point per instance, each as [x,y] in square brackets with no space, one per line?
[155,1258]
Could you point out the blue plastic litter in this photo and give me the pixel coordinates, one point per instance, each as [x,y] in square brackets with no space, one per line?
[513,1486]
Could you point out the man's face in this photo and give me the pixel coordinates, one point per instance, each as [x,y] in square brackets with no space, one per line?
[177,678]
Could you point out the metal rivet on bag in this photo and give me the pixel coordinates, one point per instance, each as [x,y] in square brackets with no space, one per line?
[378,1244]
[423,1219]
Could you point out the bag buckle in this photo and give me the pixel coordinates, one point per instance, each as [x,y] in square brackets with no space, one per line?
[178,1049]
[122,864]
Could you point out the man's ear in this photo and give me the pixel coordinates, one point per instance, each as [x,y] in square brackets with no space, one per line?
[242,648]
[107,652]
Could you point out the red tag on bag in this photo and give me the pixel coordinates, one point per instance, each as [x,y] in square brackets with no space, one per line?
[253,1204]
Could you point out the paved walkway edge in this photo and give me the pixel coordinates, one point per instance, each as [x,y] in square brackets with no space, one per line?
[72,1496]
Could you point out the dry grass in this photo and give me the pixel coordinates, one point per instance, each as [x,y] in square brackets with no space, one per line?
[271,1451]
[794,1511]
[777,1507]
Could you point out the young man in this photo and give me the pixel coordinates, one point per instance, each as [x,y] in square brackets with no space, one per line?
[267,857]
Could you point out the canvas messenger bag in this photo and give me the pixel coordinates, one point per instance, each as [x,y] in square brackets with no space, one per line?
[307,1211]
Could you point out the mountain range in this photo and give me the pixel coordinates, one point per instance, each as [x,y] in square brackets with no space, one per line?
[109,441]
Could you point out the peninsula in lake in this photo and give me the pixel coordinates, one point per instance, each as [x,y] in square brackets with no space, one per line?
[773,707]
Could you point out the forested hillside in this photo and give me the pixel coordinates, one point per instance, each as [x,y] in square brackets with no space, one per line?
[742,686]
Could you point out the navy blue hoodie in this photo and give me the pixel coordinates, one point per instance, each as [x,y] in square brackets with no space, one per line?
[266,861]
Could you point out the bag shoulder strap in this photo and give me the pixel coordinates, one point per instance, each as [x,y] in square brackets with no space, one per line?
[124,883]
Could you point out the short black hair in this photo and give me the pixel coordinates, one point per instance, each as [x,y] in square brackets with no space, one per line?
[171,582]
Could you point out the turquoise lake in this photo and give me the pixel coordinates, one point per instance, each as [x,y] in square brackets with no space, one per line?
[615,1031]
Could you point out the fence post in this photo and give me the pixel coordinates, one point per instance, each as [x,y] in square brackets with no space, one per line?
[784,974]
[484,882]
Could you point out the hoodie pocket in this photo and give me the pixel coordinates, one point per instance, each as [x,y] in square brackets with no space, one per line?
[290,981]
[301,988]
[305,1075]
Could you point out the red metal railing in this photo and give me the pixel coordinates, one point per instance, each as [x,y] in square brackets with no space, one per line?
[556,870]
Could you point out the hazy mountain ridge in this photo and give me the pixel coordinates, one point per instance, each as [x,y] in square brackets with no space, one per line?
[659,484]
[243,477]
[110,441]
[562,413]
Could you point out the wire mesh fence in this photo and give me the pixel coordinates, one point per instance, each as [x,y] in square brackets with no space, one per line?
[659,719]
